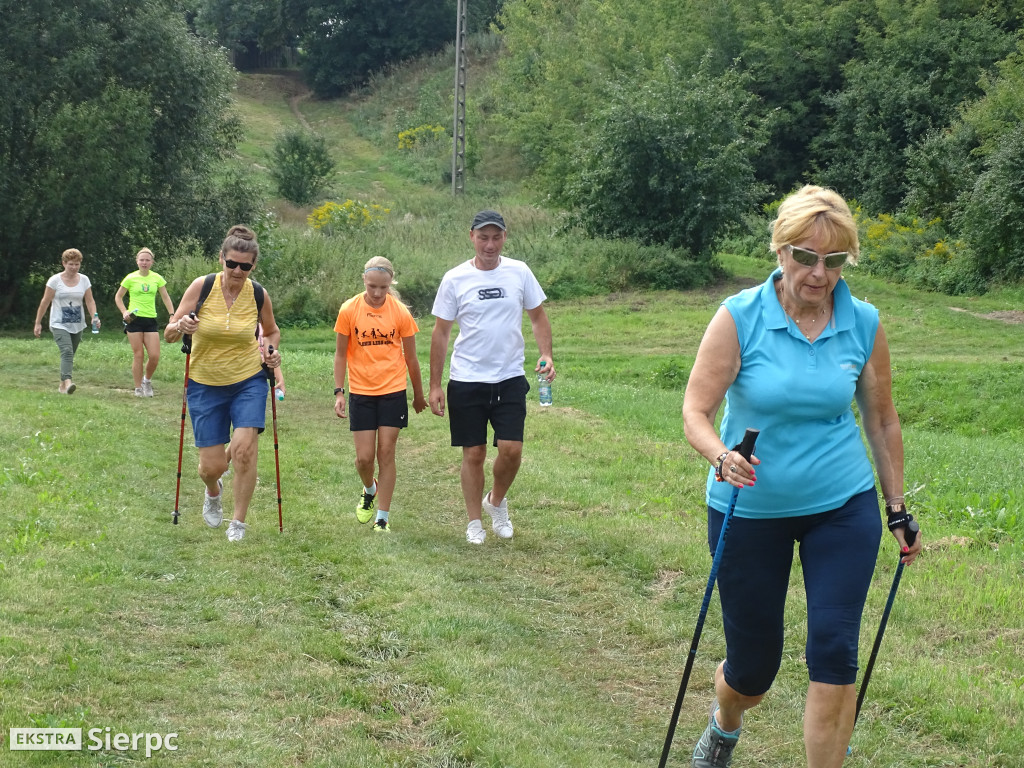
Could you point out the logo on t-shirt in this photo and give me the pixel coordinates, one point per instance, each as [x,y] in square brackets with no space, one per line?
[490,293]
[70,315]
[374,337]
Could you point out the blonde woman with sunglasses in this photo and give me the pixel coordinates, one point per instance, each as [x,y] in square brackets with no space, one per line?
[790,357]
[227,386]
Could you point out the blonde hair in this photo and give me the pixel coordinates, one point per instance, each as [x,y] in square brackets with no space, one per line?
[145,250]
[379,263]
[242,239]
[816,212]
[71,254]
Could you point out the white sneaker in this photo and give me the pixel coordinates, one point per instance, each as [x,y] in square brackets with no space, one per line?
[147,388]
[236,530]
[139,392]
[213,510]
[499,517]
[475,533]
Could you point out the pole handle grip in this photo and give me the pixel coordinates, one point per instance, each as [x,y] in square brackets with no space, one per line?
[911,531]
[746,448]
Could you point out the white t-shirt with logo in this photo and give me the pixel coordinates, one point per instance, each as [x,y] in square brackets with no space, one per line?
[67,310]
[488,305]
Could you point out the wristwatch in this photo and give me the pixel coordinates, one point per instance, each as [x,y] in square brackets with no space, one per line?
[339,391]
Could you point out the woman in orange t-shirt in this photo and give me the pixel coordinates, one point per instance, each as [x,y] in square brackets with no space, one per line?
[376,346]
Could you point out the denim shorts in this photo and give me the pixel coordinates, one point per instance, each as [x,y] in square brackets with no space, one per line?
[471,405]
[838,550]
[216,410]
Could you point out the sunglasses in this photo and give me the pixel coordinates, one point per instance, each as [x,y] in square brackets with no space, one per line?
[811,259]
[240,264]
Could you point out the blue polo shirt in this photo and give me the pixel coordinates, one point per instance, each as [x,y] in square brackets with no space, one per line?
[800,395]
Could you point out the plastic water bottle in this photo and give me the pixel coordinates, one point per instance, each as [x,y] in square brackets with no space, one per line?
[543,385]
[279,393]
[95,324]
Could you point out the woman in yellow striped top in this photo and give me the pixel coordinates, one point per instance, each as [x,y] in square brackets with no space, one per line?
[227,388]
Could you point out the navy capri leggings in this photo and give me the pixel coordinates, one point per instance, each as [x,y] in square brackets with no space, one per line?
[838,550]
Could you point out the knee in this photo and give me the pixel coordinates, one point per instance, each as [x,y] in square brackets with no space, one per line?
[386,455]
[510,451]
[243,454]
[474,456]
[364,461]
[832,652]
[210,468]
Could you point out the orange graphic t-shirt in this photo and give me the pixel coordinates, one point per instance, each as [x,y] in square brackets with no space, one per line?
[375,356]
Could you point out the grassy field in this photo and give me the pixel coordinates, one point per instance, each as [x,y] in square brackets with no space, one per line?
[328,645]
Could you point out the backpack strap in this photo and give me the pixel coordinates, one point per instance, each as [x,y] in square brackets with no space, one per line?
[204,292]
[257,291]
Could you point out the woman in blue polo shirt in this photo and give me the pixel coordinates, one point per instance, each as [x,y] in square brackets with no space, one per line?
[789,357]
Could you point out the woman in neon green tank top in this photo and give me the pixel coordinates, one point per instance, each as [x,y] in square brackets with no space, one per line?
[227,389]
[139,318]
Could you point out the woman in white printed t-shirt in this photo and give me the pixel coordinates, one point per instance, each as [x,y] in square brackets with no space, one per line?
[69,296]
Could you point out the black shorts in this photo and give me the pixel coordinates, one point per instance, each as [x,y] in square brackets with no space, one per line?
[369,412]
[141,325]
[471,405]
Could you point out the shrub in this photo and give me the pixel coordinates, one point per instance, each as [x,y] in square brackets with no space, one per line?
[333,218]
[420,136]
[911,250]
[300,166]
[670,162]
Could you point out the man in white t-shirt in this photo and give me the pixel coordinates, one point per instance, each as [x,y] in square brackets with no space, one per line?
[487,296]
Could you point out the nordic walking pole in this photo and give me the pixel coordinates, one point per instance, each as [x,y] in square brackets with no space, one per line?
[746,449]
[186,347]
[910,534]
[271,379]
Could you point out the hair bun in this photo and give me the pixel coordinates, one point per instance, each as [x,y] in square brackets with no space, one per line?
[241,232]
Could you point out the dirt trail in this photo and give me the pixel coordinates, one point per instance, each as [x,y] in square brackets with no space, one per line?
[293,104]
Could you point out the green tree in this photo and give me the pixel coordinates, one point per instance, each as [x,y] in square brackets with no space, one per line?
[345,41]
[110,113]
[670,162]
[992,219]
[912,76]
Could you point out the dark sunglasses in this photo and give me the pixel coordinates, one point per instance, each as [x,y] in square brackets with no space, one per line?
[811,259]
[240,264]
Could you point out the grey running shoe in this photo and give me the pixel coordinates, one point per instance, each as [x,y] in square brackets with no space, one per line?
[714,750]
[236,530]
[213,510]
[147,388]
[499,516]
[139,392]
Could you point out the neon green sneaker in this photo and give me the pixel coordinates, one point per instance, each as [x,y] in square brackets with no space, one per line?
[381,526]
[364,509]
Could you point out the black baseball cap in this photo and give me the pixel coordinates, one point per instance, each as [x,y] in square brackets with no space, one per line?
[486,218]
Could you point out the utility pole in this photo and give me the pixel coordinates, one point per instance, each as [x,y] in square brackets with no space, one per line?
[459,122]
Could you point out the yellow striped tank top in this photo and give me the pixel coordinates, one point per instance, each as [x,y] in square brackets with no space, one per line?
[224,347]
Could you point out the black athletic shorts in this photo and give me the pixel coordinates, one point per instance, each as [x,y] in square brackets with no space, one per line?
[368,412]
[141,325]
[471,405]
